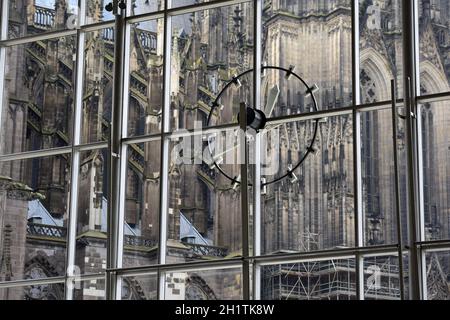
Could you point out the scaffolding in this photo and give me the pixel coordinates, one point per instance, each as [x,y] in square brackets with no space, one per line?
[331,280]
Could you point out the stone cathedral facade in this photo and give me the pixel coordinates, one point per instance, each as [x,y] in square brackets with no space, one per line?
[313,212]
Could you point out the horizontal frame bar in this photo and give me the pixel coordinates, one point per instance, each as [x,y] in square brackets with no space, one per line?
[52,152]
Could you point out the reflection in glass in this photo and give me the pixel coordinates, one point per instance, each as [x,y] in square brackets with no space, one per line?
[315,37]
[313,209]
[209,48]
[146,78]
[381,278]
[141,227]
[146,6]
[89,289]
[204,285]
[97,85]
[434,39]
[96,12]
[313,280]
[381,55]
[90,255]
[182,3]
[140,287]
[379,208]
[34,198]
[435,119]
[438,275]
[204,217]
[34,292]
[38,106]
[38,16]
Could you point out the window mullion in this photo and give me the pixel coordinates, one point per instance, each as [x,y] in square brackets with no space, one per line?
[72,271]
[257,56]
[165,144]
[357,175]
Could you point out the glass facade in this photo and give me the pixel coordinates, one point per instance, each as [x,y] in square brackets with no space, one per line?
[348,183]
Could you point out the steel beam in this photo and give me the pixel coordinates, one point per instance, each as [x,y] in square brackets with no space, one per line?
[115,147]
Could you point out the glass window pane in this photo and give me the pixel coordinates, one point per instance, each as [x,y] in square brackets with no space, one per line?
[379,196]
[38,103]
[146,6]
[313,280]
[182,3]
[96,11]
[204,217]
[312,208]
[141,229]
[381,54]
[33,17]
[90,254]
[435,118]
[34,292]
[434,39]
[89,289]
[204,285]
[34,197]
[438,275]
[146,78]
[140,287]
[314,37]
[97,85]
[381,278]
[210,47]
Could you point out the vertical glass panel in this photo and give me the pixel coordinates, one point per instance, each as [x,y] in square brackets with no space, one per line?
[141,228]
[379,194]
[313,280]
[33,17]
[89,289]
[146,6]
[90,254]
[182,3]
[438,275]
[434,40]
[140,287]
[34,292]
[381,55]
[204,285]
[97,85]
[381,278]
[315,37]
[34,198]
[96,11]
[312,207]
[204,217]
[38,104]
[146,78]
[209,48]
[435,119]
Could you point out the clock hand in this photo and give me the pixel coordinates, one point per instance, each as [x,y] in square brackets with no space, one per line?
[274,93]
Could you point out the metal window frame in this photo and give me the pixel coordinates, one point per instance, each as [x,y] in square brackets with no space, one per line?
[255,258]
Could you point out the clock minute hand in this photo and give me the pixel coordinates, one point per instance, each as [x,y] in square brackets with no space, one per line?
[274,93]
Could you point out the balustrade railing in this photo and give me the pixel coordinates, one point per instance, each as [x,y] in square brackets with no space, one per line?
[209,251]
[44,18]
[42,230]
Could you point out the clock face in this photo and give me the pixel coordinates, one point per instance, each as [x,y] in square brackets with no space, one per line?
[299,139]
